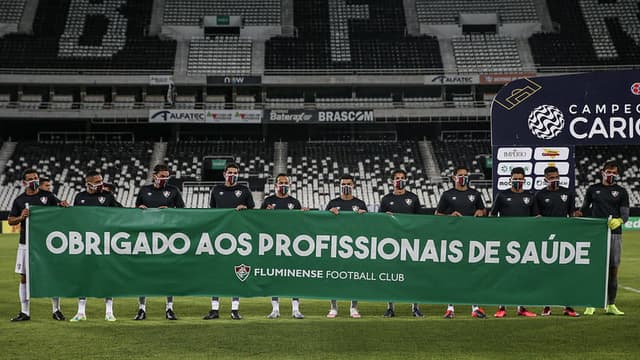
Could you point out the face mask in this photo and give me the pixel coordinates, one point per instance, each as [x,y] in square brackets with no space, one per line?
[517,184]
[346,189]
[160,182]
[95,187]
[33,184]
[231,178]
[399,184]
[462,180]
[283,189]
[552,184]
[610,178]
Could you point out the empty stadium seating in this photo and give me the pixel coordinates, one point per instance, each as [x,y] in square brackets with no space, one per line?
[220,54]
[592,35]
[253,12]
[11,11]
[486,53]
[125,164]
[316,167]
[448,11]
[67,35]
[342,35]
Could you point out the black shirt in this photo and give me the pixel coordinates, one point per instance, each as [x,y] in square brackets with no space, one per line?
[41,198]
[407,203]
[556,203]
[509,203]
[606,201]
[465,202]
[153,197]
[228,197]
[286,203]
[354,204]
[96,199]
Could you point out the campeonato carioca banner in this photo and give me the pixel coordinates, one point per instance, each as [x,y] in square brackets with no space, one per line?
[98,252]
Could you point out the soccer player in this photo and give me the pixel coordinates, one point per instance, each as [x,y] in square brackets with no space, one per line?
[32,195]
[94,196]
[558,201]
[461,201]
[282,200]
[608,199]
[346,201]
[516,201]
[229,195]
[158,195]
[46,185]
[402,201]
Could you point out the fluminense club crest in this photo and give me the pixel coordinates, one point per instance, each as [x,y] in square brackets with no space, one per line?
[408,201]
[526,200]
[564,197]
[471,198]
[242,271]
[238,193]
[355,208]
[101,199]
[615,193]
[43,199]
[166,193]
[290,206]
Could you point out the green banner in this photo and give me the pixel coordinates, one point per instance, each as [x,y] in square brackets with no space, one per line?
[98,252]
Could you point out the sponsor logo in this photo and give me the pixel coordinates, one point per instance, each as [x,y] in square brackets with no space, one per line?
[346,116]
[511,153]
[242,271]
[546,122]
[453,79]
[176,116]
[505,168]
[286,116]
[635,88]
[551,153]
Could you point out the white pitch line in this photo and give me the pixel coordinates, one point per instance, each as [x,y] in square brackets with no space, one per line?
[631,289]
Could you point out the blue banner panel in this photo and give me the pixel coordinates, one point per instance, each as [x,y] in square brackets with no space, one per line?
[599,108]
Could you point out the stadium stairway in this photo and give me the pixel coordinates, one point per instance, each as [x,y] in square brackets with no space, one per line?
[28,15]
[429,161]
[410,17]
[157,14]
[6,152]
[159,153]
[280,150]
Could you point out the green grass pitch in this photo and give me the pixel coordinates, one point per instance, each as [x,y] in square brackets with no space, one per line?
[315,337]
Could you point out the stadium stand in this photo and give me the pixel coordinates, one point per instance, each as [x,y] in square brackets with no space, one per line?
[448,11]
[589,33]
[125,164]
[486,53]
[253,12]
[220,54]
[11,11]
[70,35]
[315,168]
[375,39]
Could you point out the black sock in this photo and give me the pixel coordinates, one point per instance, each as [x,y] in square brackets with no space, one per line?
[612,289]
